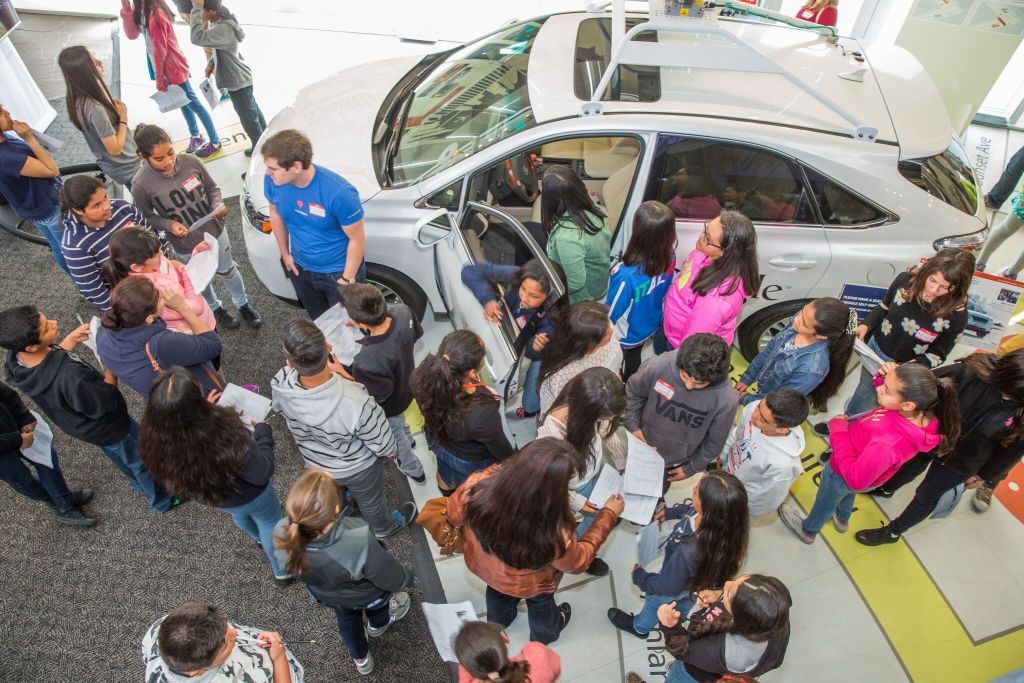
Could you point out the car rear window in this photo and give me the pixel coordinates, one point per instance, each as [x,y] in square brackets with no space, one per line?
[948,176]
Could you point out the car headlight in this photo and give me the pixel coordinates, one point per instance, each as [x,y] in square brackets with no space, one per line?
[972,240]
[257,218]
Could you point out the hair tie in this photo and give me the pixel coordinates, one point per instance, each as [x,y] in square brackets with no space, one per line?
[494,676]
[851,324]
[446,358]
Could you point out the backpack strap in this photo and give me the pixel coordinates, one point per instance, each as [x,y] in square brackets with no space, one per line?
[217,382]
[152,360]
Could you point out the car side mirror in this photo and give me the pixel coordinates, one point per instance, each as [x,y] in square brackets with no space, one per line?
[433,228]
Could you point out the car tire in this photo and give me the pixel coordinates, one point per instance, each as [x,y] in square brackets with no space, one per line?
[755,331]
[397,288]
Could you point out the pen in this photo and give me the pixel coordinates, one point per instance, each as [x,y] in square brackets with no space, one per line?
[80,321]
[251,641]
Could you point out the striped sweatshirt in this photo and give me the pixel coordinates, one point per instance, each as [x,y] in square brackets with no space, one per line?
[86,249]
[338,427]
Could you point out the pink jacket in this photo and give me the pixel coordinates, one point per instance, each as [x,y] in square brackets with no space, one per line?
[687,313]
[172,275]
[169,64]
[869,450]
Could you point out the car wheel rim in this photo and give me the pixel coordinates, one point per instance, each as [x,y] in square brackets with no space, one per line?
[391,297]
[770,332]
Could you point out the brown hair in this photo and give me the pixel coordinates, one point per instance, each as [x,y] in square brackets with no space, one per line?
[483,653]
[84,83]
[132,301]
[312,506]
[957,266]
[287,147]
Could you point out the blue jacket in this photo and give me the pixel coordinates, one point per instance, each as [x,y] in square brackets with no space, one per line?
[680,558]
[635,302]
[782,367]
[482,279]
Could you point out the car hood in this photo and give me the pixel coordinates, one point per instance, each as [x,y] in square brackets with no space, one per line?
[337,113]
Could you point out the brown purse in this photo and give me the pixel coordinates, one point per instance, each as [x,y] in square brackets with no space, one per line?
[434,518]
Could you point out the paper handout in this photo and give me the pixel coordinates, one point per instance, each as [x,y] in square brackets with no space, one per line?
[210,93]
[645,469]
[340,336]
[40,451]
[169,100]
[638,509]
[444,621]
[648,542]
[90,341]
[868,358]
[609,482]
[251,406]
[207,218]
[202,266]
[50,144]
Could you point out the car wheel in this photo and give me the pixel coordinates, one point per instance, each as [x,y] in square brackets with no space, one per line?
[397,288]
[755,332]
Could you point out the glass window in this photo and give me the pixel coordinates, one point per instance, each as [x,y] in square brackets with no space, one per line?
[840,206]
[699,178]
[948,176]
[448,197]
[593,52]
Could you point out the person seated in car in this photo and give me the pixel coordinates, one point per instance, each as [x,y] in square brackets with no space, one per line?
[757,205]
[693,196]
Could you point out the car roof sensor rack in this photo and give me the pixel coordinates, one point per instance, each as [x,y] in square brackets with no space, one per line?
[737,56]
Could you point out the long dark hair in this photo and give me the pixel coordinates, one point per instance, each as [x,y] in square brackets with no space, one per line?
[83,83]
[723,532]
[483,653]
[147,136]
[77,192]
[1005,373]
[521,514]
[760,611]
[312,506]
[131,302]
[593,395]
[142,10]
[128,247]
[565,194]
[933,396]
[577,333]
[193,447]
[957,266]
[532,270]
[437,382]
[653,241]
[832,319]
[738,263]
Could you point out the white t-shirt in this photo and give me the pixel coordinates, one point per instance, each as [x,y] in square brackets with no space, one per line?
[767,465]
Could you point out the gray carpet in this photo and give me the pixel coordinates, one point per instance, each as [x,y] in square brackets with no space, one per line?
[76,603]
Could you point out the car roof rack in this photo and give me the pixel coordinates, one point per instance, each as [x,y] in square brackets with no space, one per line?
[738,55]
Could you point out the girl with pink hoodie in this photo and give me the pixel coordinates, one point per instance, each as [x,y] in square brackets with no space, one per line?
[712,284]
[916,413]
[135,252]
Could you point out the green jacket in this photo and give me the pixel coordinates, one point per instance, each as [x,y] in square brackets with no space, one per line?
[585,258]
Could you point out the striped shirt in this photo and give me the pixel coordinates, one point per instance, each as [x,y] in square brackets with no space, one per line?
[85,249]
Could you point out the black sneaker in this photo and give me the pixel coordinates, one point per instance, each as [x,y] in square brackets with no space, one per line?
[598,567]
[879,536]
[74,517]
[880,492]
[253,319]
[565,609]
[821,429]
[624,622]
[226,320]
[284,581]
[422,479]
[80,498]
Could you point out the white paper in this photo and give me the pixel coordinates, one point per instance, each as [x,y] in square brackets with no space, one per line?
[173,98]
[645,469]
[202,266]
[609,482]
[341,337]
[207,218]
[39,451]
[444,621]
[210,92]
[868,358]
[648,544]
[251,406]
[639,509]
[90,341]
[50,144]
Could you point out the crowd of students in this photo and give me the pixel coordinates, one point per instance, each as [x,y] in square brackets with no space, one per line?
[526,516]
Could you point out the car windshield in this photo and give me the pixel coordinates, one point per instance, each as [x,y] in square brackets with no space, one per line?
[475,98]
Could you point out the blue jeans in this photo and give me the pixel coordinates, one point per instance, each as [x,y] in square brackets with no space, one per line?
[453,470]
[249,114]
[408,463]
[195,108]
[679,674]
[865,397]
[541,610]
[661,342]
[47,486]
[531,392]
[1009,179]
[258,518]
[319,291]
[834,498]
[646,619]
[350,623]
[51,229]
[125,455]
[228,272]
[588,518]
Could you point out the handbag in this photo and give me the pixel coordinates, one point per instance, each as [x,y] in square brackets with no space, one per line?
[214,377]
[434,518]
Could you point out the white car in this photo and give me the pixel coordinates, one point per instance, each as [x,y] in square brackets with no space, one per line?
[841,154]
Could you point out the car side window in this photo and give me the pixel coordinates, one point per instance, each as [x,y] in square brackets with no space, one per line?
[839,206]
[448,197]
[699,178]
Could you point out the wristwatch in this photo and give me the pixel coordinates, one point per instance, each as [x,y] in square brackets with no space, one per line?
[345,281]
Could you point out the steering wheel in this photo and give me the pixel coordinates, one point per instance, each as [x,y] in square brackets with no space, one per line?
[521,176]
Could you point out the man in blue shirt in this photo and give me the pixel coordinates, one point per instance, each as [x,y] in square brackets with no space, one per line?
[28,180]
[316,218]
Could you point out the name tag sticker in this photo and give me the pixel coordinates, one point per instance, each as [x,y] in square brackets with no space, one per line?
[317,210]
[665,389]
[925,335]
[521,321]
[191,183]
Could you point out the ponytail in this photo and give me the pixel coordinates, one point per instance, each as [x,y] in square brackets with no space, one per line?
[132,301]
[947,411]
[918,385]
[313,505]
[437,382]
[838,323]
[128,247]
[483,653]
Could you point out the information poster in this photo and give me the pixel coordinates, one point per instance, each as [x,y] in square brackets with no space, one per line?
[861,298]
[991,302]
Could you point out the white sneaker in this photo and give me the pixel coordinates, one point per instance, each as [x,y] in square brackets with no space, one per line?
[365,666]
[399,607]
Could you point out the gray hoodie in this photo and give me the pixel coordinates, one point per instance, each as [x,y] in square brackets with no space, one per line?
[223,36]
[337,426]
[185,196]
[687,428]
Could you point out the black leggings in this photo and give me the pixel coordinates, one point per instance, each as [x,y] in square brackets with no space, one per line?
[938,480]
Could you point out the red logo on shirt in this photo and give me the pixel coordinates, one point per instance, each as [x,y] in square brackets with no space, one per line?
[298,202]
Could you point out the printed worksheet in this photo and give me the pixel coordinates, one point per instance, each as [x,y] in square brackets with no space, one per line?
[201,267]
[250,405]
[444,621]
[645,469]
[40,451]
[639,509]
[342,337]
[609,482]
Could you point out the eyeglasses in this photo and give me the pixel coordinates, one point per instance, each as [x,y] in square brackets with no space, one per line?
[707,235]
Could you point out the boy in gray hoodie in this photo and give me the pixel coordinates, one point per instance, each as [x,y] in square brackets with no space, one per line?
[215,28]
[682,404]
[338,427]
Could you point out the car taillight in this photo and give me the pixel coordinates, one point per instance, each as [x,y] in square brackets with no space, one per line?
[972,240]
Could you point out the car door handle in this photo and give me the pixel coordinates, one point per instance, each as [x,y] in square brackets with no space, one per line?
[793,263]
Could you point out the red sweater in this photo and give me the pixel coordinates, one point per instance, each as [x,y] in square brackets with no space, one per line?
[169,64]
[868,451]
[826,16]
[545,664]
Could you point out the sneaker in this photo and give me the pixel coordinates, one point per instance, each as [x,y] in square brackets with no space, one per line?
[519,413]
[565,609]
[74,517]
[208,150]
[225,319]
[825,455]
[365,666]
[403,516]
[421,479]
[881,493]
[284,581]
[598,567]
[253,319]
[175,502]
[1008,274]
[821,429]
[879,536]
[224,95]
[990,203]
[633,677]
[980,267]
[624,622]
[841,526]
[794,521]
[982,500]
[398,607]
[248,152]
[195,143]
[80,498]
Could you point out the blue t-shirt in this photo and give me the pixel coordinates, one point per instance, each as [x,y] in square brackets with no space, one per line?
[31,198]
[314,216]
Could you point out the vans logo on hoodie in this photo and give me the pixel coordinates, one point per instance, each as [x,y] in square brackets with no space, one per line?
[680,412]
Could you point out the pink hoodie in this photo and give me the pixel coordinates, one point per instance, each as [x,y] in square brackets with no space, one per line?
[172,275]
[687,313]
[869,450]
[169,64]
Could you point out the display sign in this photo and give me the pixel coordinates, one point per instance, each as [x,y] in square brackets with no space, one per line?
[861,298]
[991,301]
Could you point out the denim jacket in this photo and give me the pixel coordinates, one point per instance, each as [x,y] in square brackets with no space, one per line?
[778,367]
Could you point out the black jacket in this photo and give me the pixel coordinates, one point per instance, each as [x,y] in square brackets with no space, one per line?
[74,396]
[257,469]
[13,416]
[386,361]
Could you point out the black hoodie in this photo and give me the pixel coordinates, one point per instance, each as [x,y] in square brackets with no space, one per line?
[13,416]
[74,396]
